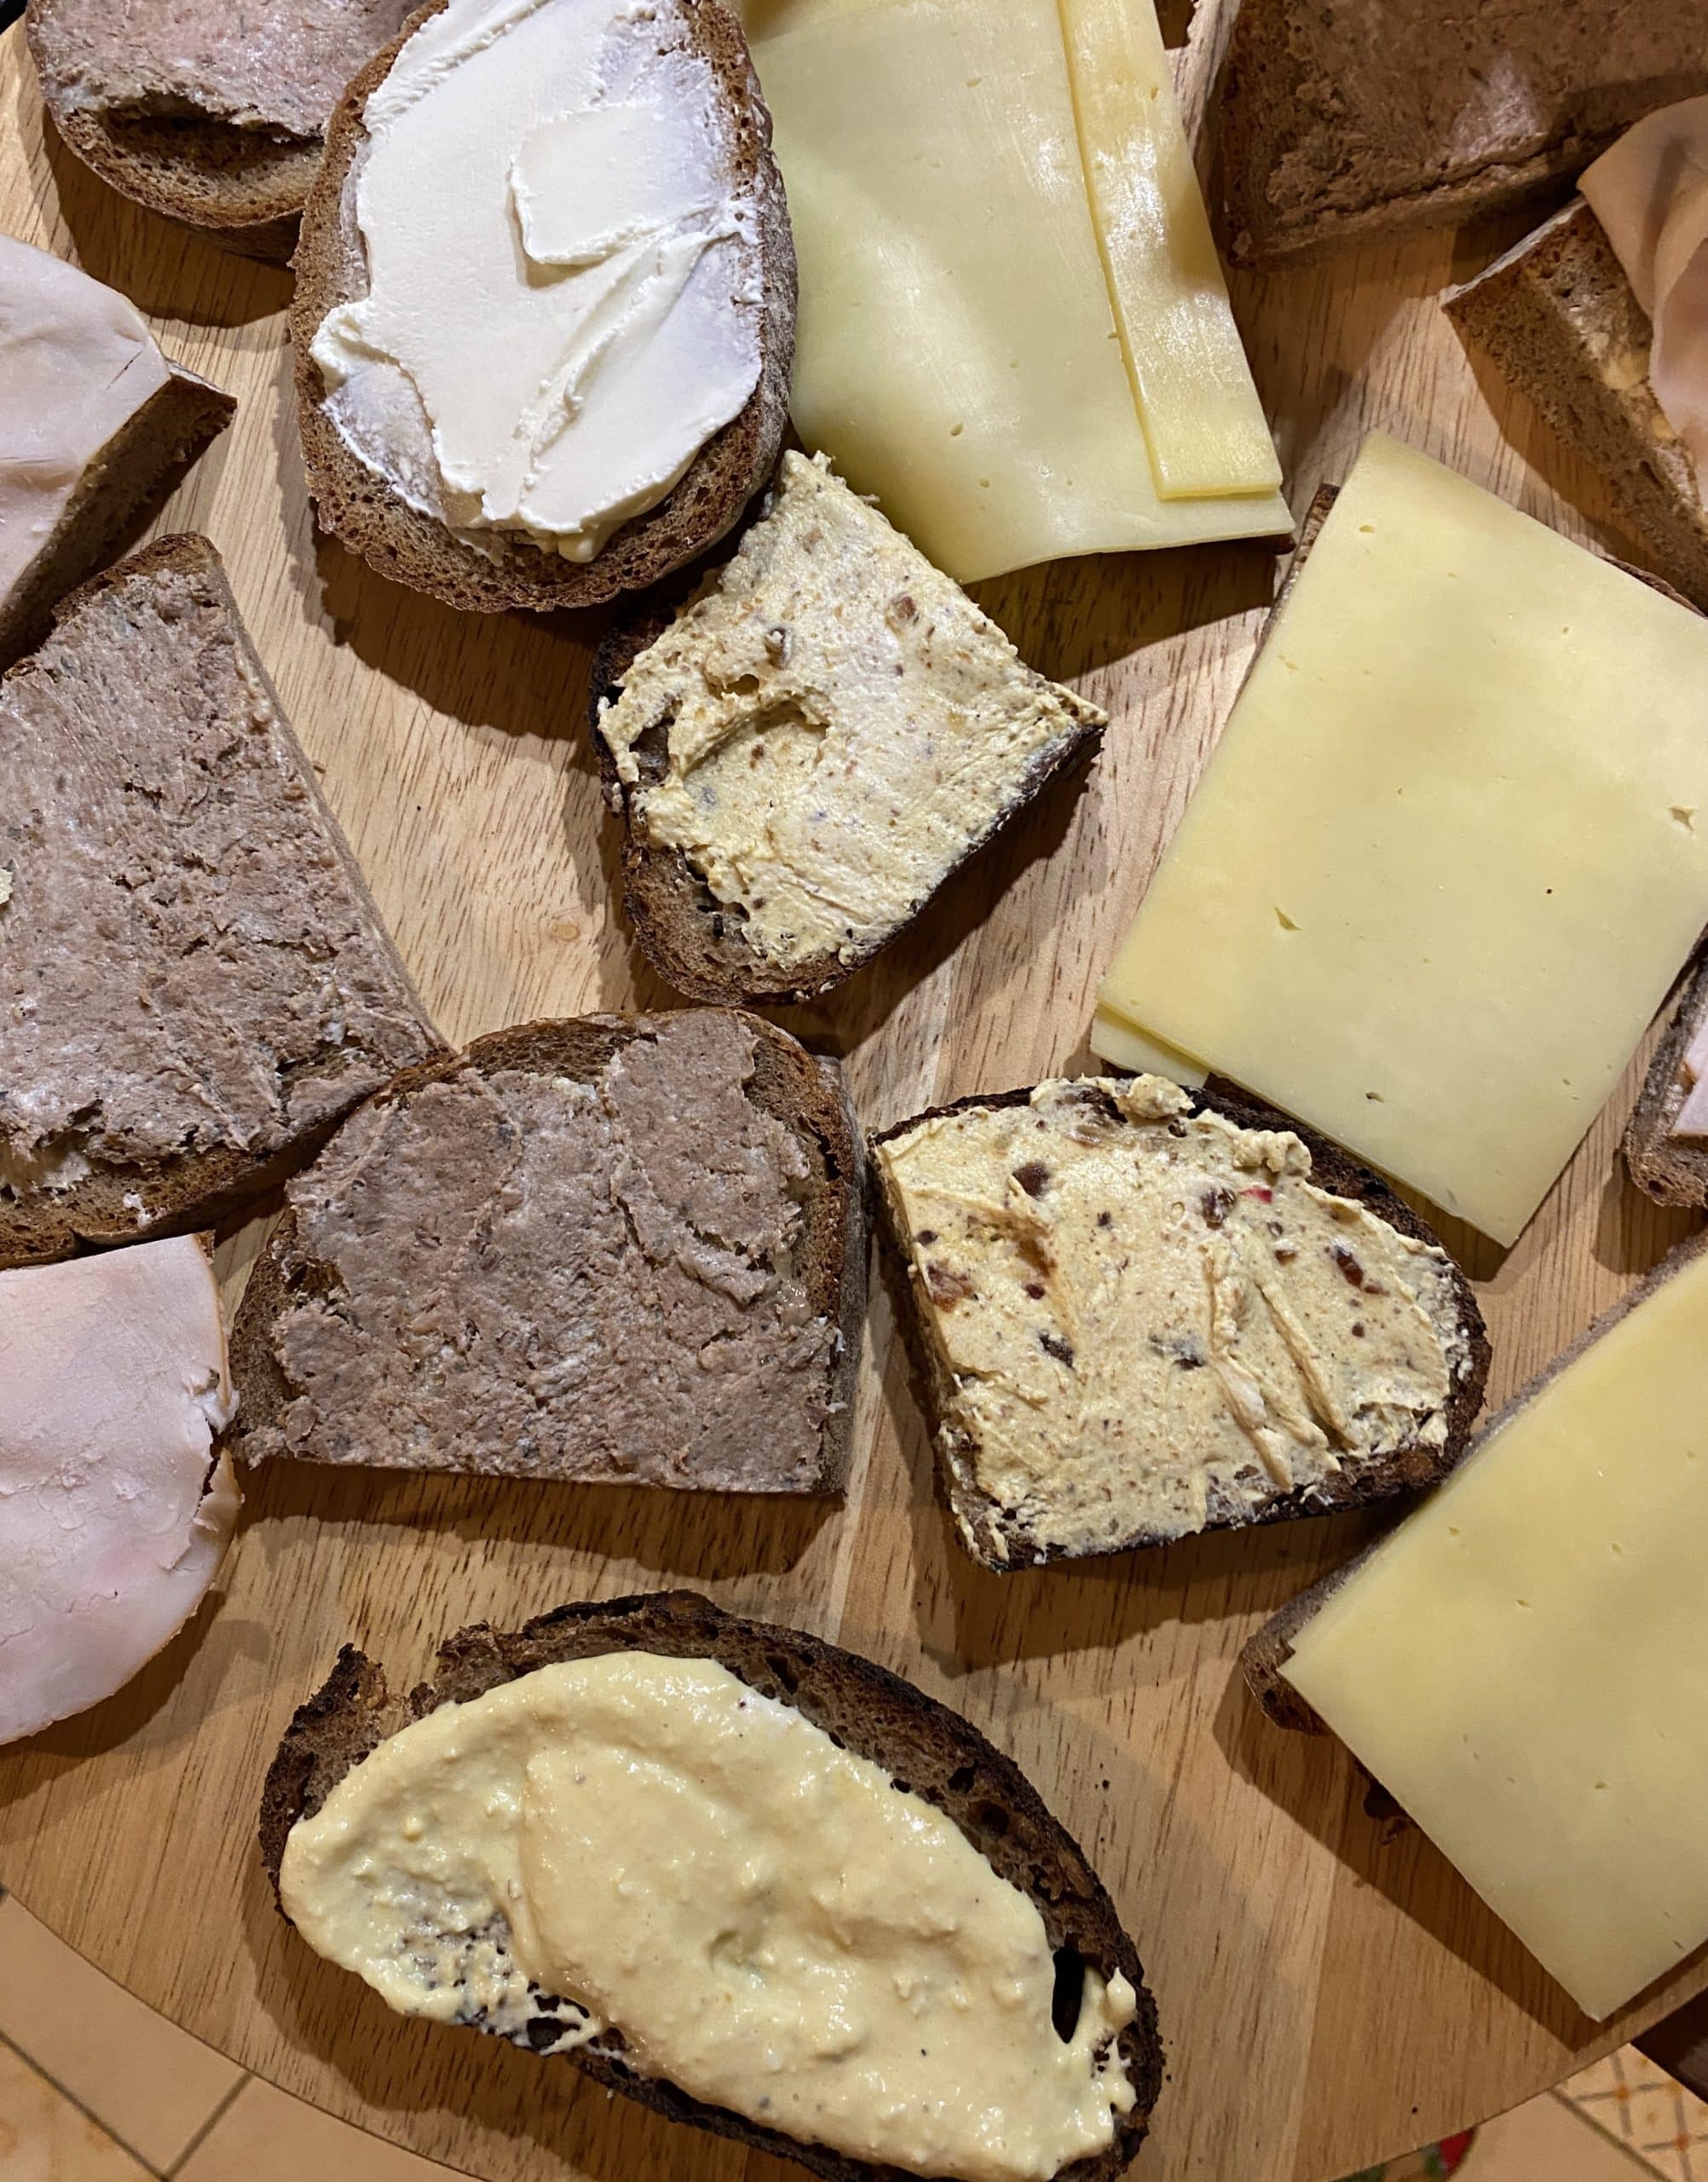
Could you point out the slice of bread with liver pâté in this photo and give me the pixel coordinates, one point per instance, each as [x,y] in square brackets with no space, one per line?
[1339,122]
[818,741]
[205,112]
[538,385]
[1557,317]
[97,427]
[611,1249]
[827,1732]
[195,985]
[1139,1313]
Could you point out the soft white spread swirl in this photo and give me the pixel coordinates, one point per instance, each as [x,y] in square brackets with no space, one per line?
[649,1844]
[564,286]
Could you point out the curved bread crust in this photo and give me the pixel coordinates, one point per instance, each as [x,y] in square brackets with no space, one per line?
[358,507]
[806,1094]
[1407,1469]
[1673,1171]
[696,943]
[136,468]
[241,187]
[1267,1652]
[198,1189]
[921,1744]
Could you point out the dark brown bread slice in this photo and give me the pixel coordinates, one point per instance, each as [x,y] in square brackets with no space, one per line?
[1674,1170]
[199,1186]
[1005,1545]
[922,1746]
[1557,316]
[1342,118]
[805,1094]
[133,472]
[692,939]
[360,508]
[1265,1653]
[160,132]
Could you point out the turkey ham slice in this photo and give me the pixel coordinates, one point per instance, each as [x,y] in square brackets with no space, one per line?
[1650,193]
[115,1509]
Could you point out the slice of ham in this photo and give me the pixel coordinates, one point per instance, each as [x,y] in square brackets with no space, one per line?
[1650,193]
[115,1512]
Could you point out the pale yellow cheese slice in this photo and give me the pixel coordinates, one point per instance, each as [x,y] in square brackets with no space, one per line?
[1521,1665]
[1204,423]
[1451,851]
[956,354]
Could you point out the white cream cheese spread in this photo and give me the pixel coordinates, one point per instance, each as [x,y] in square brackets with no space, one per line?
[564,293]
[647,1845]
[843,726]
[1152,1319]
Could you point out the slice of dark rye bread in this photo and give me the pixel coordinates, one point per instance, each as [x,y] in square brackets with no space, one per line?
[1673,1170]
[1005,1545]
[1265,1653]
[243,187]
[695,942]
[360,508]
[131,871]
[136,468]
[806,1094]
[1556,316]
[921,1745]
[1342,118]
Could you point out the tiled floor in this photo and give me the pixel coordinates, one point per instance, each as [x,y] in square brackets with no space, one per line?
[94,2087]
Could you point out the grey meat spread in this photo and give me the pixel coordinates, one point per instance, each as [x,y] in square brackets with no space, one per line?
[534,1274]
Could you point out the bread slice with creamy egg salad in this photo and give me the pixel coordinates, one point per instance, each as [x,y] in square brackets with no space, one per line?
[813,746]
[848,1931]
[209,113]
[545,308]
[1141,1313]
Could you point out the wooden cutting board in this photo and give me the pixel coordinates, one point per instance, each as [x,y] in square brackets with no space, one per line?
[1330,1991]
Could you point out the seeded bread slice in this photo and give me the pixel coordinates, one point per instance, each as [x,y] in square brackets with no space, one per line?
[816,571]
[195,984]
[361,508]
[1557,315]
[1340,121]
[1674,1170]
[243,186]
[999,1539]
[1265,1653]
[922,1746]
[132,474]
[299,1401]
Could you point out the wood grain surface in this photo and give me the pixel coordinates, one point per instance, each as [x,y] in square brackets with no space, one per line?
[1330,1991]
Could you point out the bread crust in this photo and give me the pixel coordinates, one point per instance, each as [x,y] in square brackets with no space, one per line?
[200,1189]
[361,509]
[808,1095]
[1265,1653]
[922,1745]
[139,465]
[1005,1546]
[1672,1171]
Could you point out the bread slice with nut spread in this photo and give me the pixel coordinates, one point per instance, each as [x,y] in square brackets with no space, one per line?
[1141,1313]
[926,1750]
[813,746]
[624,1249]
[488,570]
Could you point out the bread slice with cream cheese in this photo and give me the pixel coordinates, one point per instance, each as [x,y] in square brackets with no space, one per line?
[808,750]
[374,444]
[1139,1313]
[926,1750]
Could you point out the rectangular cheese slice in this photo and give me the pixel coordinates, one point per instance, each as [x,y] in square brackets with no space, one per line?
[1521,1665]
[1203,423]
[956,353]
[1450,850]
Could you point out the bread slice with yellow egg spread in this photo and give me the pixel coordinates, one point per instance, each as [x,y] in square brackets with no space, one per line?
[1073,2003]
[1139,1313]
